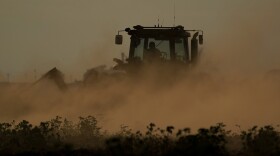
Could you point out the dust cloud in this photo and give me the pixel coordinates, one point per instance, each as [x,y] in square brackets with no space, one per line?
[228,85]
[198,99]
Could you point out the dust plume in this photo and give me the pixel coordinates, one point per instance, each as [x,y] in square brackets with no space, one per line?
[228,85]
[197,100]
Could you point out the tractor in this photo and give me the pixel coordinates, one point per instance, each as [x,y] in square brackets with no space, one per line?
[154,51]
[160,52]
[171,44]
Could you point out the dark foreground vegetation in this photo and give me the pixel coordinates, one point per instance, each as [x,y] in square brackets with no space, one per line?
[62,137]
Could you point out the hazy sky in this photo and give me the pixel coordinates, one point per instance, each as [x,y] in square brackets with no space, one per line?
[77,35]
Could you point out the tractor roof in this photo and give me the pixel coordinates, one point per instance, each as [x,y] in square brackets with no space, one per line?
[157,31]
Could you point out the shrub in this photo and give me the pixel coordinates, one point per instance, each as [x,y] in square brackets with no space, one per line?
[261,141]
[63,137]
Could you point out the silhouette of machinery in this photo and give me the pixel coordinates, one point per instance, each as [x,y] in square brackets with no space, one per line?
[163,46]
[55,76]
[175,45]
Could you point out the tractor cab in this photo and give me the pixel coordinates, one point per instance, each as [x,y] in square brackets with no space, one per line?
[161,44]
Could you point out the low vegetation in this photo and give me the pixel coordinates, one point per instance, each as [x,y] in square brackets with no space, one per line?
[63,137]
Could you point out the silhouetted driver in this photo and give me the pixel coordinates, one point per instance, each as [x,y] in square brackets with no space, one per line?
[152,53]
